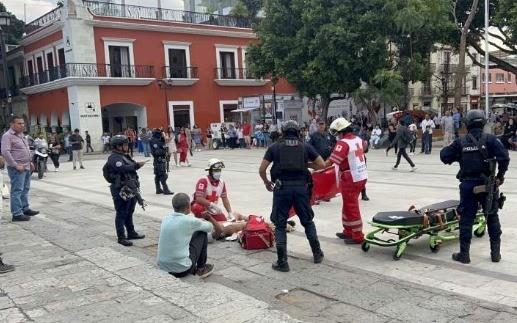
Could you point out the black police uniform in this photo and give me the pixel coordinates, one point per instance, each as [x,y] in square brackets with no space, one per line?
[291,176]
[471,152]
[159,152]
[323,143]
[122,168]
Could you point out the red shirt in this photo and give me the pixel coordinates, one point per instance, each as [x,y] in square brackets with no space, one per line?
[246,129]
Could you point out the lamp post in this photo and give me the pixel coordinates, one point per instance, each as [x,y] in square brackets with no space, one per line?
[274,81]
[487,63]
[164,84]
[5,20]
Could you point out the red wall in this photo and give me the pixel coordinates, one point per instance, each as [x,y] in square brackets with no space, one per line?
[148,49]
[508,87]
[43,42]
[47,102]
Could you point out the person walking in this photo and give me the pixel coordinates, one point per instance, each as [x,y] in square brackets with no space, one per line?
[413,129]
[68,147]
[246,131]
[15,150]
[183,148]
[289,184]
[402,140]
[392,133]
[55,149]
[170,141]
[105,143]
[4,268]
[76,141]
[88,142]
[209,138]
[475,152]
[188,133]
[427,127]
[131,137]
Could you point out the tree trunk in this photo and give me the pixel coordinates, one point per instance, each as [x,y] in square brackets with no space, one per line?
[325,102]
[460,71]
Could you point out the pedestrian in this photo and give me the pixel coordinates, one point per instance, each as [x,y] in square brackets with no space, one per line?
[55,149]
[232,137]
[474,152]
[246,131]
[183,148]
[313,127]
[375,136]
[159,152]
[209,137]
[240,138]
[427,127]
[76,141]
[392,133]
[4,268]
[402,140]
[196,137]
[321,140]
[290,186]
[131,137]
[190,142]
[183,241]
[456,115]
[15,150]
[170,140]
[348,155]
[447,129]
[223,131]
[121,173]
[413,129]
[105,143]
[68,147]
[88,142]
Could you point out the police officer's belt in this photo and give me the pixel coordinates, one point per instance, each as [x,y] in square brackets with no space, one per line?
[294,183]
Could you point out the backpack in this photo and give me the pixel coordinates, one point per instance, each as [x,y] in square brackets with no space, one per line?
[256,235]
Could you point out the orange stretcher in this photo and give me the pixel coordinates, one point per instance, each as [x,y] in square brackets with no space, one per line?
[324,187]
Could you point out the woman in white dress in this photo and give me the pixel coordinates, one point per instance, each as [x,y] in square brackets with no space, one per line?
[170,140]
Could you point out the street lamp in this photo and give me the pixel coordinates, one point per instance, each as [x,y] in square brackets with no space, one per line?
[487,63]
[5,21]
[164,85]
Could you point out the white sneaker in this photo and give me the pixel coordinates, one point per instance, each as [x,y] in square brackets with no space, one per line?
[395,168]
[56,170]
[411,154]
[413,169]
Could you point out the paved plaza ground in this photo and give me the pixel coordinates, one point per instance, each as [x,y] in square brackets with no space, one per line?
[69,267]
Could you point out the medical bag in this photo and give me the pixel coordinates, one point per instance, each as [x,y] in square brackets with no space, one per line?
[257,234]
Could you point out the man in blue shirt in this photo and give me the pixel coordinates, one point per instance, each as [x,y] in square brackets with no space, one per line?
[182,246]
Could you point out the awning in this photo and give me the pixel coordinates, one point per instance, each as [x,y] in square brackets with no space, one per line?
[244,110]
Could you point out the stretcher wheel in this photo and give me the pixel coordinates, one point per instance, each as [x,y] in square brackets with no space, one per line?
[396,255]
[435,248]
[365,246]
[480,232]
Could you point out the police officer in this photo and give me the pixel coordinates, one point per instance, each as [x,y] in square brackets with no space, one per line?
[159,152]
[472,152]
[289,183]
[119,170]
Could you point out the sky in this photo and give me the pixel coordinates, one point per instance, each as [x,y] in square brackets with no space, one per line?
[37,8]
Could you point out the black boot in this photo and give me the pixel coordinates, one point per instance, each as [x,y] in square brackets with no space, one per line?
[364,197]
[316,251]
[166,190]
[135,236]
[281,264]
[125,242]
[464,255]
[158,188]
[495,250]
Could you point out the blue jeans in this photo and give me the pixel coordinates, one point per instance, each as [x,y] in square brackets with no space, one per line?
[147,148]
[20,185]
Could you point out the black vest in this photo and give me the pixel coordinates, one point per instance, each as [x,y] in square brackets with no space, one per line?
[474,154]
[291,161]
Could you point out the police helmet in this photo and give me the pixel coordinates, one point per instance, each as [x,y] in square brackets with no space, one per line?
[475,119]
[290,127]
[118,140]
[157,134]
[214,164]
[339,125]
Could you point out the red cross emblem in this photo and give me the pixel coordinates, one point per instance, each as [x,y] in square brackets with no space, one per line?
[359,153]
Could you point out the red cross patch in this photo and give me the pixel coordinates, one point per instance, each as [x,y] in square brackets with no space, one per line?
[359,153]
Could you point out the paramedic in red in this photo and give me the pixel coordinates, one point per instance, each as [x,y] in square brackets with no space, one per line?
[211,188]
[351,174]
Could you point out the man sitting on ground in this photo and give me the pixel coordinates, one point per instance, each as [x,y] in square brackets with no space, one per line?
[182,246]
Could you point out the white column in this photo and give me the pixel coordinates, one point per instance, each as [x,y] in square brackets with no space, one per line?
[85,112]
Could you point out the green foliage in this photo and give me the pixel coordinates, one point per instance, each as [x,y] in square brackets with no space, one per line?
[15,30]
[240,10]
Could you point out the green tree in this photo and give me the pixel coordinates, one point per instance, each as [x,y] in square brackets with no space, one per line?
[15,30]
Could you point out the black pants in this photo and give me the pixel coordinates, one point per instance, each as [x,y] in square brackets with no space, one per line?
[402,152]
[468,209]
[124,213]
[89,147]
[299,198]
[55,159]
[198,253]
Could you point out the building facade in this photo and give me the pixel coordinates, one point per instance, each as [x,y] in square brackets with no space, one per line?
[502,85]
[105,67]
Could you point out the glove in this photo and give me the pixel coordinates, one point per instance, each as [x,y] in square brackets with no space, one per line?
[231,217]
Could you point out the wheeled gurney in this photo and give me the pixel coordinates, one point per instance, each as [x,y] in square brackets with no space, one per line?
[436,220]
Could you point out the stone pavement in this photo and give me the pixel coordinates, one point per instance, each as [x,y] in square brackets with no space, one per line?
[70,269]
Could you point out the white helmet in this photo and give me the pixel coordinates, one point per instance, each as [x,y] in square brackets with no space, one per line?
[215,163]
[338,125]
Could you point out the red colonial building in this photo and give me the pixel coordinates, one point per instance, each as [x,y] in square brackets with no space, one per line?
[104,67]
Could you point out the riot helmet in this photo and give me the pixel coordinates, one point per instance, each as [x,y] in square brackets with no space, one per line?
[157,134]
[475,119]
[117,141]
[290,128]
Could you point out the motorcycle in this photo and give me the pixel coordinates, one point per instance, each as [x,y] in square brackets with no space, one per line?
[40,160]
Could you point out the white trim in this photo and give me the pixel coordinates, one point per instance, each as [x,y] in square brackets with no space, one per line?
[186,48]
[221,107]
[182,82]
[58,47]
[243,53]
[107,44]
[176,43]
[171,111]
[240,82]
[44,32]
[116,39]
[50,50]
[36,62]
[72,81]
[238,33]
[227,46]
[235,52]
[26,65]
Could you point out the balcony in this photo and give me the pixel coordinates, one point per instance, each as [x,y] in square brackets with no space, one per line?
[426,91]
[236,77]
[180,75]
[150,13]
[87,74]
[45,20]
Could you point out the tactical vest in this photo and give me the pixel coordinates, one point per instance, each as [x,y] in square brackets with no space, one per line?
[291,159]
[474,154]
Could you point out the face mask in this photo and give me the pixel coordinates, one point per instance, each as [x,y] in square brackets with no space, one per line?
[216,175]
